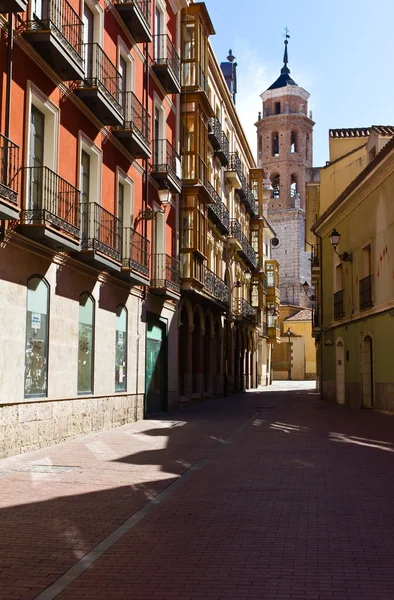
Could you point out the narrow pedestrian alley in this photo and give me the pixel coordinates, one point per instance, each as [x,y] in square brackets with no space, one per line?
[270,495]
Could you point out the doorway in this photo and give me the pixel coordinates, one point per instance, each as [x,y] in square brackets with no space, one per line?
[340,371]
[368,372]
[156,366]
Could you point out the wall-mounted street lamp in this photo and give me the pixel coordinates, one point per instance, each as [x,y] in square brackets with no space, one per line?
[147,214]
[289,333]
[334,239]
[165,196]
[246,280]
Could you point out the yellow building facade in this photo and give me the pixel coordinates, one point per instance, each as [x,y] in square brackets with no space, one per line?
[354,269]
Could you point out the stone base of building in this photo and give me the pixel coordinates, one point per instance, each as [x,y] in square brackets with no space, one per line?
[33,425]
[310,376]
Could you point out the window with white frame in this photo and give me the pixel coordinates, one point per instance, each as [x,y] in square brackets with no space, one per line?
[125,198]
[126,69]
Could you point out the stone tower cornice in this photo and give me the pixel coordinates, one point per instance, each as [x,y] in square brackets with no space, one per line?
[293,90]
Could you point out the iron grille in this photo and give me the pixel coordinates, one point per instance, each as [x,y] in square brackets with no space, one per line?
[165,272]
[365,292]
[136,117]
[51,200]
[242,308]
[135,251]
[165,158]
[218,210]
[338,305]
[59,17]
[9,168]
[249,254]
[101,230]
[216,286]
[101,73]
[165,54]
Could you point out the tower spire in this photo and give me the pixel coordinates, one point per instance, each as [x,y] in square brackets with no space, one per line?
[285,69]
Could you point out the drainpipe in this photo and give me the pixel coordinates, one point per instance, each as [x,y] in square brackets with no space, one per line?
[321,313]
[146,199]
[9,77]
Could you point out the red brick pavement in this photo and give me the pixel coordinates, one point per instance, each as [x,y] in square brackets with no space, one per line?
[297,505]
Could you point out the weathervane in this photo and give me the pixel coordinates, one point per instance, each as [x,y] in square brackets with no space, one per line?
[286,34]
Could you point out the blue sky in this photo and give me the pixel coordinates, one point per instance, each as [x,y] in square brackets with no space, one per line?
[341,52]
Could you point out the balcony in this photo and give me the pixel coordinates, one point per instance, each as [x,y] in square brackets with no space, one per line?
[265,329]
[274,334]
[12,6]
[55,32]
[135,256]
[244,310]
[101,87]
[365,292]
[165,276]
[52,215]
[134,134]
[234,171]
[218,211]
[136,16]
[101,237]
[9,179]
[244,248]
[250,202]
[166,167]
[272,281]
[166,64]
[315,322]
[219,141]
[339,310]
[216,286]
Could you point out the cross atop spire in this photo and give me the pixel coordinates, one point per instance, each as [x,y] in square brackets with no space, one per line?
[285,68]
[284,79]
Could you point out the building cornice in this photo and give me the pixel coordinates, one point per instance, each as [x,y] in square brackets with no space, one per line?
[225,95]
[289,90]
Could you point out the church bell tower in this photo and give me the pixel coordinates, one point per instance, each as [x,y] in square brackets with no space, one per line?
[285,148]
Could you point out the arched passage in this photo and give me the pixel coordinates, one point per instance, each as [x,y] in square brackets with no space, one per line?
[368,372]
[340,371]
[184,354]
[197,353]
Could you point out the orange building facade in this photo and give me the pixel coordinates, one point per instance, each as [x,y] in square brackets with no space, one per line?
[90,178]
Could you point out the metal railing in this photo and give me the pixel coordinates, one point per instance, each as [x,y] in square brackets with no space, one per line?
[339,310]
[216,286]
[143,7]
[265,329]
[235,230]
[235,164]
[59,17]
[101,230]
[135,251]
[218,210]
[250,202]
[51,200]
[315,259]
[315,318]
[165,54]
[365,292]
[242,308]
[101,73]
[219,139]
[9,168]
[165,158]
[136,117]
[165,272]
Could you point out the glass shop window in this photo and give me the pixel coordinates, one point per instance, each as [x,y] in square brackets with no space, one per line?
[85,344]
[36,346]
[121,350]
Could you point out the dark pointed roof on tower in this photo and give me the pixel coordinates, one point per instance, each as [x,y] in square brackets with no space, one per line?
[284,78]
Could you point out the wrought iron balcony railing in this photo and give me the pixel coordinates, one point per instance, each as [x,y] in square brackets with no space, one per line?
[166,159]
[339,310]
[315,259]
[250,202]
[9,167]
[218,211]
[136,117]
[137,17]
[51,200]
[315,318]
[166,56]
[365,292]
[242,308]
[265,329]
[249,254]
[101,73]
[165,273]
[101,230]
[216,286]
[235,164]
[135,251]
[59,17]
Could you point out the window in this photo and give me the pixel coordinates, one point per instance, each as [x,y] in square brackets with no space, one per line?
[338,278]
[121,350]
[277,108]
[275,144]
[293,186]
[43,117]
[293,142]
[90,172]
[307,147]
[36,346]
[276,186]
[85,344]
[367,260]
